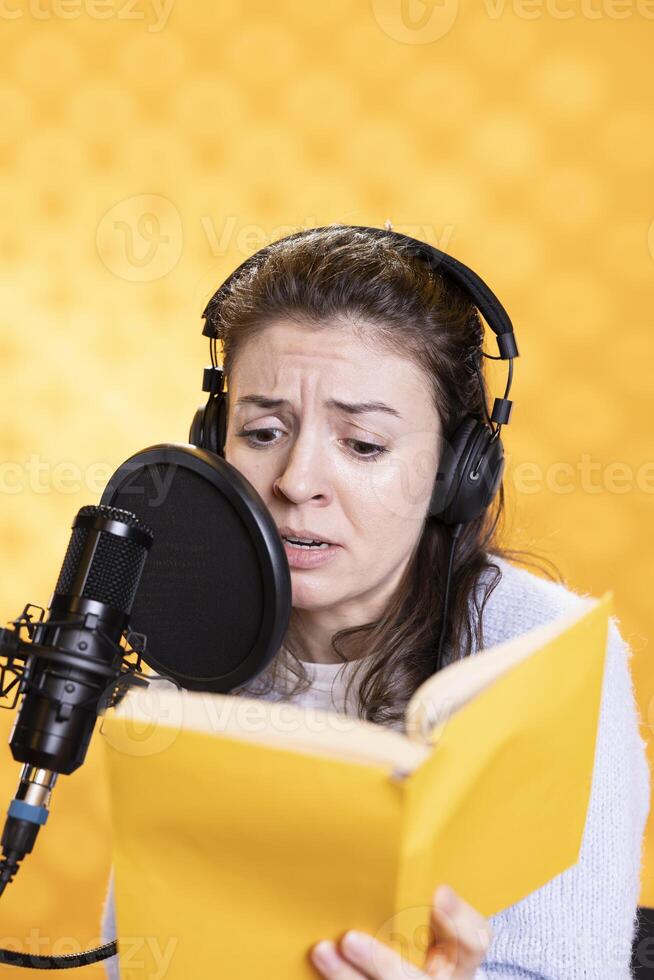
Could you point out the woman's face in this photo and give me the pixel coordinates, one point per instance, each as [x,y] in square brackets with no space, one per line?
[316,466]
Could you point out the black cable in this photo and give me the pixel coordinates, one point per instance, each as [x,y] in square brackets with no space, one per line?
[456,533]
[483,397]
[25,831]
[64,962]
[509,379]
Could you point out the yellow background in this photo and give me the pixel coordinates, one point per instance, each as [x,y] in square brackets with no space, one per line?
[145,151]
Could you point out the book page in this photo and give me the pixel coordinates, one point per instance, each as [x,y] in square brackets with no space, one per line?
[154,716]
[161,710]
[447,691]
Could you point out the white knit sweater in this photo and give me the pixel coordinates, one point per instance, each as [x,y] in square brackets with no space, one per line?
[581,924]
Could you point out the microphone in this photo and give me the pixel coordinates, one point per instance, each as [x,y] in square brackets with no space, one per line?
[213,600]
[74,664]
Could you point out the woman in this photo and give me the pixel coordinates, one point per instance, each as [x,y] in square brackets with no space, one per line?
[337,317]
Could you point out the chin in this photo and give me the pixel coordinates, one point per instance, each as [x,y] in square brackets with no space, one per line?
[303,596]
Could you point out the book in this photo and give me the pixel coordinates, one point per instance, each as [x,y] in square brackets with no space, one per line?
[245,830]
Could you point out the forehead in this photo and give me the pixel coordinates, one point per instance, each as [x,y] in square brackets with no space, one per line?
[333,358]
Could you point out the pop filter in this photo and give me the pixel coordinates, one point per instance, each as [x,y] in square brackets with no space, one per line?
[214,599]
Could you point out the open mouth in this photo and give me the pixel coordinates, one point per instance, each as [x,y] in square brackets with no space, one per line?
[307,546]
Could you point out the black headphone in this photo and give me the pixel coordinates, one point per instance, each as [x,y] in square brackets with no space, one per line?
[472,459]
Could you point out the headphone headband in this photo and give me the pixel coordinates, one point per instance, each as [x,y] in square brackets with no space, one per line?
[483,297]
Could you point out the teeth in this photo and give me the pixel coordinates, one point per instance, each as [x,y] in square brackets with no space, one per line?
[299,544]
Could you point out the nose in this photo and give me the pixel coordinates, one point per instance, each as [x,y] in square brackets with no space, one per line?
[305,475]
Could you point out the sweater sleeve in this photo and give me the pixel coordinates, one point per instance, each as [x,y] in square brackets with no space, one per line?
[581,924]
[108,930]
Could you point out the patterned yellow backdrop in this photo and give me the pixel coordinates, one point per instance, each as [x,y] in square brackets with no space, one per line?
[148,146]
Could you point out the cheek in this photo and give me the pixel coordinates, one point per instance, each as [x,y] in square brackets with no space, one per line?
[254,471]
[400,489]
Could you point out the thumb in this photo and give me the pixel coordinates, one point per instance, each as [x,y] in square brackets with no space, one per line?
[461,937]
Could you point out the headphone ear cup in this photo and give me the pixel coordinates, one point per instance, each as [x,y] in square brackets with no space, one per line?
[221,424]
[480,476]
[195,431]
[210,425]
[446,483]
[469,473]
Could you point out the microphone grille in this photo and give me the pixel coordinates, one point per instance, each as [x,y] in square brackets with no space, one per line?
[101,564]
[115,514]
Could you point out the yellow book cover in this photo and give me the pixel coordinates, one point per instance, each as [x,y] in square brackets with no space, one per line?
[244,830]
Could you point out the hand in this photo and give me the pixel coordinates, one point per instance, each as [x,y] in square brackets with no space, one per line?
[461,937]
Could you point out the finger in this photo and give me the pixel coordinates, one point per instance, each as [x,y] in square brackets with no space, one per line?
[377,960]
[461,934]
[329,962]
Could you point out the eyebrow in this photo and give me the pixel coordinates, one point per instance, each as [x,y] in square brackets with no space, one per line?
[351,408]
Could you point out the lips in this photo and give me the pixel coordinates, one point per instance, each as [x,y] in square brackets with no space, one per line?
[303,535]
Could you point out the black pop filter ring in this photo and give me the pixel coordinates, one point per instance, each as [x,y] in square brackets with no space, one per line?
[216,545]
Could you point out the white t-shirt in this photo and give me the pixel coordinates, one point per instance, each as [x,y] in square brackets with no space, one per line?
[327,691]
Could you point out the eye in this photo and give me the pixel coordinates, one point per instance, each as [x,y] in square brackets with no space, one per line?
[377,451]
[248,436]
[374,452]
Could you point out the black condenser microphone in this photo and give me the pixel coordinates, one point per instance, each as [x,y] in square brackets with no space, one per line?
[71,664]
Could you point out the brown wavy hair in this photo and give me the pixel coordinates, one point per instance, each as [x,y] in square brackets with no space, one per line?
[347,275]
